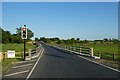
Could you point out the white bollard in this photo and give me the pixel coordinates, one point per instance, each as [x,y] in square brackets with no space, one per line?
[80,50]
[91,52]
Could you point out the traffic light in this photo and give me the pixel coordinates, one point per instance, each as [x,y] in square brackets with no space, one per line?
[24,32]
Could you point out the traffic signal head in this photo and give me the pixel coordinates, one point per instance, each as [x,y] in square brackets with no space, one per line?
[24,32]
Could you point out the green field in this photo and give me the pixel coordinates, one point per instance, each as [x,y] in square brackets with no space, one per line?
[102,48]
[16,47]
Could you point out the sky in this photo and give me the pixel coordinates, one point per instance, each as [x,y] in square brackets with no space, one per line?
[60,0]
[84,20]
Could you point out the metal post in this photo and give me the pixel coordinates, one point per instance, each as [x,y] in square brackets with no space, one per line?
[24,49]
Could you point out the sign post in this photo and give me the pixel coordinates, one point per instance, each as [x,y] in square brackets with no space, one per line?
[24,49]
[24,36]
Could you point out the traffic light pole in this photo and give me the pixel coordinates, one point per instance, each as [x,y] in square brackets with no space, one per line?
[24,49]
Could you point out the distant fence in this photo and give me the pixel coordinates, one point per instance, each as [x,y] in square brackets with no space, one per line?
[78,50]
[81,50]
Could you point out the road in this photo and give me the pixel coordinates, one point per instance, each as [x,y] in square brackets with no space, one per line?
[55,63]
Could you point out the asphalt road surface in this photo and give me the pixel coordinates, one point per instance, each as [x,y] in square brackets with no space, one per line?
[55,63]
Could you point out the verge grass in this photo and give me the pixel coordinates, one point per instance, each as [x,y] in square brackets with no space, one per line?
[9,62]
[16,47]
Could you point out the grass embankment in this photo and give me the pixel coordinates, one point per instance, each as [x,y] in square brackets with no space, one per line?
[8,63]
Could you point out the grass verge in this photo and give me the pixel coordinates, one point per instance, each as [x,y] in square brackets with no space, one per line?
[9,62]
[16,47]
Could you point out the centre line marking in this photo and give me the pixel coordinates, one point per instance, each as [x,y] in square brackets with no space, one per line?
[17,73]
[22,66]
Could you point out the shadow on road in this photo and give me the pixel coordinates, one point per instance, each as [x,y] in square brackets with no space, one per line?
[54,55]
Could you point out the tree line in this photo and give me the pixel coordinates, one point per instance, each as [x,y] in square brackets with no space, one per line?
[8,37]
[72,41]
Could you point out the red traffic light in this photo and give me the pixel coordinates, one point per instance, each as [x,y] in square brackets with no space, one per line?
[24,29]
[24,32]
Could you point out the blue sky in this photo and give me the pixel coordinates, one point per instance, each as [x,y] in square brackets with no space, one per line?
[86,20]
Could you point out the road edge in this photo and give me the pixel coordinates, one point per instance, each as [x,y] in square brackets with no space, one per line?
[41,52]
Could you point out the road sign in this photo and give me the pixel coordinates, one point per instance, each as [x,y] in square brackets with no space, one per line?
[10,54]
[24,32]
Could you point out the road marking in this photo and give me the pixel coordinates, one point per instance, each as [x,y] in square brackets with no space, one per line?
[22,66]
[27,61]
[35,64]
[100,64]
[17,73]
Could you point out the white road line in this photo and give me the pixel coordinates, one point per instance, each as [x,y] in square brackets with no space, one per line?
[35,64]
[22,66]
[17,73]
[100,64]
[27,61]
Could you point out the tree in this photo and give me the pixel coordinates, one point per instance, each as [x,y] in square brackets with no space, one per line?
[73,39]
[15,38]
[36,39]
[105,39]
[85,41]
[6,35]
[77,39]
[0,35]
[43,39]
[115,41]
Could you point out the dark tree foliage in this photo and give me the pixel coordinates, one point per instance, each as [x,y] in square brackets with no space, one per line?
[36,39]
[73,41]
[7,37]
